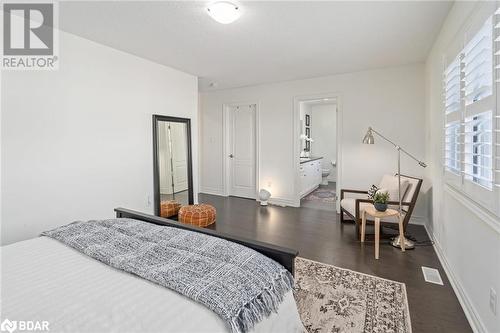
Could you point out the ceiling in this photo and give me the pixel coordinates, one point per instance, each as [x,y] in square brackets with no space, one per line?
[271,42]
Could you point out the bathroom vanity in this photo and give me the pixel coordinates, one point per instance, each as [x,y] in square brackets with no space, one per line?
[310,174]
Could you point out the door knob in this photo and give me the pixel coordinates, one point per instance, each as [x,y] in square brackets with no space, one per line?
[231,155]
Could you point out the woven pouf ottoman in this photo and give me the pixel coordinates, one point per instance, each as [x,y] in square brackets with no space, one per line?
[169,208]
[199,215]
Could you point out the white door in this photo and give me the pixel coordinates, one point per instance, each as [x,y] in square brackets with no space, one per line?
[242,151]
[166,186]
[179,156]
[172,143]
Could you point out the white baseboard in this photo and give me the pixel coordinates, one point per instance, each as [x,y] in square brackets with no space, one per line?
[213,191]
[469,310]
[273,200]
[418,220]
[283,202]
[306,193]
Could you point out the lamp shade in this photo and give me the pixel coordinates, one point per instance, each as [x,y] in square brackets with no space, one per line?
[369,139]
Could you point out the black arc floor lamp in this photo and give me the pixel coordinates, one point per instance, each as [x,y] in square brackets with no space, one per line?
[369,139]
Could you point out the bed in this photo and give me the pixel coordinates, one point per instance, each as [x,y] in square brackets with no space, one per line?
[45,280]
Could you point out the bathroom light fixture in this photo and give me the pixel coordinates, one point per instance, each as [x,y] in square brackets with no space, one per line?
[306,138]
[224,12]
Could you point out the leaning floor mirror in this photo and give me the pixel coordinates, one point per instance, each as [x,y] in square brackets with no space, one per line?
[173,174]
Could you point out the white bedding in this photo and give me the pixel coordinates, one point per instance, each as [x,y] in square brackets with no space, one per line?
[43,279]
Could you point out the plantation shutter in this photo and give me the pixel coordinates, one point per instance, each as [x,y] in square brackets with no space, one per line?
[496,110]
[479,100]
[471,108]
[452,108]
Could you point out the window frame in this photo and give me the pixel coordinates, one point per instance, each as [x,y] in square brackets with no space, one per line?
[476,191]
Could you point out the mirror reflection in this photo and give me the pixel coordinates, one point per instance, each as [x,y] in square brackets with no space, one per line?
[173,181]
[173,162]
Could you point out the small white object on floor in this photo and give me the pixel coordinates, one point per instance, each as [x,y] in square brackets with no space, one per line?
[264,195]
[432,275]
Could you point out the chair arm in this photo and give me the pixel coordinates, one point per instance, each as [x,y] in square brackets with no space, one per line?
[342,191]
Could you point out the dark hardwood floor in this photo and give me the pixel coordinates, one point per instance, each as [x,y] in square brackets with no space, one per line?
[318,235]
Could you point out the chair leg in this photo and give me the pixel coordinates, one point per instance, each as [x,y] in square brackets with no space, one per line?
[377,236]
[341,216]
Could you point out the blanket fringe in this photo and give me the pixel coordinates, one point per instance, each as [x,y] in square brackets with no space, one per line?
[263,304]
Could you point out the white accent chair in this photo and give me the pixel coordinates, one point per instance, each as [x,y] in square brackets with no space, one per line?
[354,202]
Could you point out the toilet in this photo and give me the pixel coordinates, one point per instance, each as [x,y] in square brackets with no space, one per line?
[324,174]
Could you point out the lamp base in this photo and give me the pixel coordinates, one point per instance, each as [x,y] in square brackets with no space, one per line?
[396,242]
[263,203]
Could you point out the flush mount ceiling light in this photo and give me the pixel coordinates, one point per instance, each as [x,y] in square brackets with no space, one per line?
[224,12]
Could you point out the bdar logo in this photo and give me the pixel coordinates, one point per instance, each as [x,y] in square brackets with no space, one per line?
[24,325]
[9,326]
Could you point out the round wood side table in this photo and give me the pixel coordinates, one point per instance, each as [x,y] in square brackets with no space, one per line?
[371,211]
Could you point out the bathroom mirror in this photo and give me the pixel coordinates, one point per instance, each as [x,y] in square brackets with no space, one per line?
[173,175]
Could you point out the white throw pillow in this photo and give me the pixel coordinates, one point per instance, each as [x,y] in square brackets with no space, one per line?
[390,184]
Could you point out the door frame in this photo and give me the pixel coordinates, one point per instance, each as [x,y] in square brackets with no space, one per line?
[296,140]
[226,174]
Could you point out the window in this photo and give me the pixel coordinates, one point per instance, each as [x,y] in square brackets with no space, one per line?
[452,88]
[478,149]
[471,129]
[479,102]
[478,65]
[452,153]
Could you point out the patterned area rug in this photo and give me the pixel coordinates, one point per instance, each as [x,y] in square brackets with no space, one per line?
[324,195]
[332,299]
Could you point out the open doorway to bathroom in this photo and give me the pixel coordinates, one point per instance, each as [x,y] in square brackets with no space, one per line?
[317,170]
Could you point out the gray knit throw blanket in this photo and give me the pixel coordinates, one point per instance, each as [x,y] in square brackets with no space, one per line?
[239,284]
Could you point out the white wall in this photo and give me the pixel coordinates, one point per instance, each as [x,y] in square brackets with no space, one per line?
[77,142]
[324,134]
[466,238]
[391,100]
[304,109]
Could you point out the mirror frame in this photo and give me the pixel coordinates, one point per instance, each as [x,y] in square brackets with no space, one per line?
[156,172]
